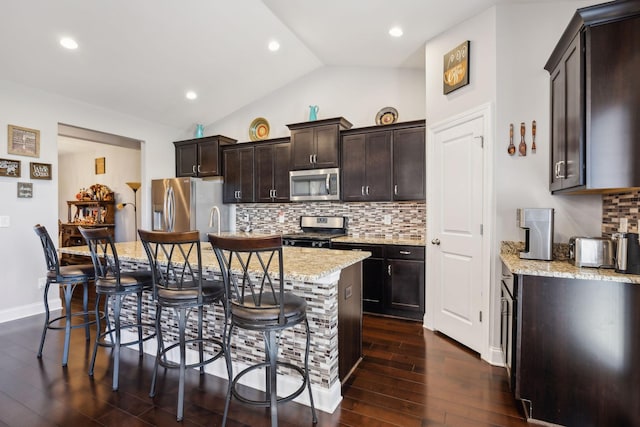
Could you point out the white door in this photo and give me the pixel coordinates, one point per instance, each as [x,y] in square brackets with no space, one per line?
[455,211]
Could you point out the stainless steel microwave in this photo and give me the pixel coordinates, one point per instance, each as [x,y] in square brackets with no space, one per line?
[314,184]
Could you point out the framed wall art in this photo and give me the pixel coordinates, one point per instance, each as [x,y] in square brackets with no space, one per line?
[25,190]
[23,141]
[40,170]
[9,167]
[100,166]
[456,68]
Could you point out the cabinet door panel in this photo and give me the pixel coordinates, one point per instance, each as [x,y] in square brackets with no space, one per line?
[326,146]
[574,175]
[208,159]
[302,147]
[409,164]
[264,172]
[246,175]
[405,289]
[378,166]
[281,164]
[353,168]
[373,279]
[231,168]
[186,159]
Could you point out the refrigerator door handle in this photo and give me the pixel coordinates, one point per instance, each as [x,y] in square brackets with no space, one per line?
[169,209]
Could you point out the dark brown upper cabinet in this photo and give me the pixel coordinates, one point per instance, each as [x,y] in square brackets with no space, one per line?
[200,157]
[237,164]
[595,101]
[409,163]
[271,163]
[366,166]
[314,145]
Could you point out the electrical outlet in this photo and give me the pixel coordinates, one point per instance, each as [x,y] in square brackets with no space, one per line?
[386,220]
[42,281]
[624,225]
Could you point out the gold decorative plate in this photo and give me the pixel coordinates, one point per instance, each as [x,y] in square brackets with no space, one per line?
[259,129]
[387,116]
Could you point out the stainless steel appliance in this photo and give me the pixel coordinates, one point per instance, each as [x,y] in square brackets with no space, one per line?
[627,253]
[314,184]
[184,204]
[316,231]
[591,252]
[538,226]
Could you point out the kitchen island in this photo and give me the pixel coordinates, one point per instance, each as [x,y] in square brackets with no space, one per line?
[330,281]
[575,344]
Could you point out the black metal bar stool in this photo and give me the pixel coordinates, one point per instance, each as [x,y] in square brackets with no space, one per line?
[257,301]
[67,278]
[116,286]
[175,261]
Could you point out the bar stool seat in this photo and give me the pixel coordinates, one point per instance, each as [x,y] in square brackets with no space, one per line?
[67,278]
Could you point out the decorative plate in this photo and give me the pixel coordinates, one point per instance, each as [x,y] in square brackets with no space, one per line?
[259,129]
[387,116]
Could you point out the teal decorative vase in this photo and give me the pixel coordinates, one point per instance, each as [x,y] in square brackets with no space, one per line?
[313,112]
[199,131]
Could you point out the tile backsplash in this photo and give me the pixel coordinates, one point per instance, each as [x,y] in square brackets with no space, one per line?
[407,219]
[616,206]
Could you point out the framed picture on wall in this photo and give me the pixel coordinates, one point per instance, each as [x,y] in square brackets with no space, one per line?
[23,141]
[456,68]
[100,166]
[40,170]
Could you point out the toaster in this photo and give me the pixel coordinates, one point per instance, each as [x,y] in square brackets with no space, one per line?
[596,252]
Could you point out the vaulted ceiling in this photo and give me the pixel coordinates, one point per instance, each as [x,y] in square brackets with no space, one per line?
[140,57]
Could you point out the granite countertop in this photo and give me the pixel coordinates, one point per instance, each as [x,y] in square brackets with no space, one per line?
[559,267]
[367,240]
[301,264]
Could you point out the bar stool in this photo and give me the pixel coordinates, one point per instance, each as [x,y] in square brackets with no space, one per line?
[175,261]
[116,286]
[258,302]
[67,278]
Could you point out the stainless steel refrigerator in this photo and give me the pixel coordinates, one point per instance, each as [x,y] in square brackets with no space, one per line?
[184,204]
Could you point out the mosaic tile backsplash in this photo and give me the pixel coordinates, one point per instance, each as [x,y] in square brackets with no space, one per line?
[620,205]
[407,219]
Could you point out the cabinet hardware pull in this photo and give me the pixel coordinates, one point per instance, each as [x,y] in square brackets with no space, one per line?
[389,269]
[198,168]
[395,189]
[315,158]
[311,158]
[362,190]
[405,252]
[193,169]
[367,190]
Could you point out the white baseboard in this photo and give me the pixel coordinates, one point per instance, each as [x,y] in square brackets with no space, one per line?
[495,356]
[16,313]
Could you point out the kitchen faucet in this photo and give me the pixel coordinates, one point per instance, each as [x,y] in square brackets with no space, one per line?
[216,211]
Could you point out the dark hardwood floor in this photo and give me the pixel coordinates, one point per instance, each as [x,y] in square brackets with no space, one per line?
[409,377]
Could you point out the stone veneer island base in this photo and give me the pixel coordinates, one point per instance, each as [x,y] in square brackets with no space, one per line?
[330,281]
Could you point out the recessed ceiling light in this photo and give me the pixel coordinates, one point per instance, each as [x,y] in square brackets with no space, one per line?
[395,32]
[191,95]
[274,46]
[68,43]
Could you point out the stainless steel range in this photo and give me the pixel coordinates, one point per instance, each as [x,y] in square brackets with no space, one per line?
[316,231]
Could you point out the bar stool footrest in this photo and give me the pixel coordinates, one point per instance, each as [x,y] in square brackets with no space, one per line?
[267,403]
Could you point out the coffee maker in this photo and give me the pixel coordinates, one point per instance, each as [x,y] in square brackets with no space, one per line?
[627,253]
[538,226]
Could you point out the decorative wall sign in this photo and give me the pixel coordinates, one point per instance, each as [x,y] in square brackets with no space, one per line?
[100,166]
[25,190]
[10,168]
[40,170]
[456,68]
[23,141]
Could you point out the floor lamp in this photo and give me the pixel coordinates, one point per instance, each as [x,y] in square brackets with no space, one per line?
[134,186]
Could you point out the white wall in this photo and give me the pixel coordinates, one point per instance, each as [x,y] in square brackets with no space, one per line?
[122,165]
[510,43]
[356,94]
[21,258]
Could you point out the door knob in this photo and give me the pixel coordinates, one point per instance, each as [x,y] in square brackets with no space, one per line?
[435,242]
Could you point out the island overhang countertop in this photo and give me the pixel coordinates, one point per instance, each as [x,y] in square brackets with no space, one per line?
[301,264]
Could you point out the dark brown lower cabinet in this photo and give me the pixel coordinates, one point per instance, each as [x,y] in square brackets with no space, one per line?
[349,320]
[578,351]
[392,279]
